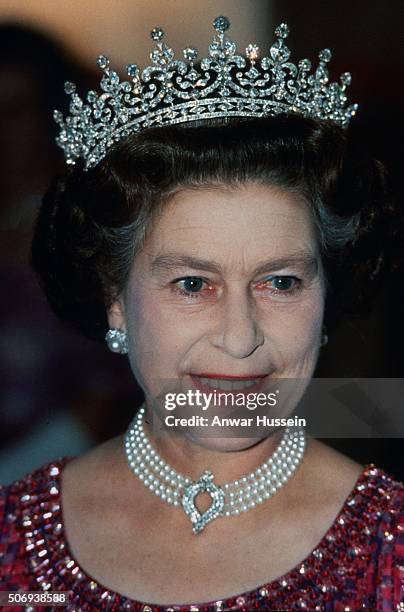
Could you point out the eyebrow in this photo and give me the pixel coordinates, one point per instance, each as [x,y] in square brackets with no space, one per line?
[171,261]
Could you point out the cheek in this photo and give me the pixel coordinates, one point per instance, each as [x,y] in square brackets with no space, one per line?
[296,330]
[157,339]
[144,324]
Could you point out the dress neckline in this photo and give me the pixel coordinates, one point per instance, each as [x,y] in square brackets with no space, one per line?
[47,545]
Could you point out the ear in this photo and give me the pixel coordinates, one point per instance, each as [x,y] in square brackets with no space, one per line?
[116,315]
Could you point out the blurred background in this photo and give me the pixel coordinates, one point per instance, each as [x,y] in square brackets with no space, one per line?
[61,394]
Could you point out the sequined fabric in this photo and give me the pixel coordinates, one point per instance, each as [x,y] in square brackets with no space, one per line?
[358,565]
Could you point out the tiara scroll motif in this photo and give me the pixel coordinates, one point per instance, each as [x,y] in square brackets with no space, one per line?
[172,91]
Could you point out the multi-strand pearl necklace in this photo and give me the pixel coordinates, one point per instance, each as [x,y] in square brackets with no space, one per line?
[228,499]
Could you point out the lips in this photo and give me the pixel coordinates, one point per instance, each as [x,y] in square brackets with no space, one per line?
[230,376]
[229,384]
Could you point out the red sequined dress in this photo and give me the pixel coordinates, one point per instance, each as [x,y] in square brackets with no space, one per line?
[358,564]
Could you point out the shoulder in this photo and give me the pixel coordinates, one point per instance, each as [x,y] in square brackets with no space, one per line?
[384,521]
[384,501]
[19,502]
[370,530]
[379,495]
[369,526]
[11,540]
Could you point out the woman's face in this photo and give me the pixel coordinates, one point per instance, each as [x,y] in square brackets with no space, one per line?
[229,283]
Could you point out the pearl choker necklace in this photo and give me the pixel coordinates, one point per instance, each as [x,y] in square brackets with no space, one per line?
[228,499]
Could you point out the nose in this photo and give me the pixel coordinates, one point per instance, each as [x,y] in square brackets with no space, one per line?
[238,332]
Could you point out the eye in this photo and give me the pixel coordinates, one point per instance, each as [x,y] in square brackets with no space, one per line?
[191,286]
[280,285]
[283,283]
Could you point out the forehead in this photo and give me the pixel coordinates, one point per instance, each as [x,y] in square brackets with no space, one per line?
[228,221]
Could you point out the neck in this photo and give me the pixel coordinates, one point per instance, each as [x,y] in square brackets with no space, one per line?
[227,458]
[228,479]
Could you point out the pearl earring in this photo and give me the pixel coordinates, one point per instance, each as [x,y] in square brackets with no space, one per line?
[117,341]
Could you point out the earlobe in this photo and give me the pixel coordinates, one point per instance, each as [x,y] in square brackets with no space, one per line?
[116,315]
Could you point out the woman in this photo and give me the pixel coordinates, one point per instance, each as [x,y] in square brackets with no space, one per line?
[209,250]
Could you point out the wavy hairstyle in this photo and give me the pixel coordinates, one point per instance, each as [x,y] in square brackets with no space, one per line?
[92,224]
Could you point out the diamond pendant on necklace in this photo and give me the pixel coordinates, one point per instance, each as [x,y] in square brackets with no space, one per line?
[205,484]
[229,499]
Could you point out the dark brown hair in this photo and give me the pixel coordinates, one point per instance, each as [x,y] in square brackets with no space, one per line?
[92,223]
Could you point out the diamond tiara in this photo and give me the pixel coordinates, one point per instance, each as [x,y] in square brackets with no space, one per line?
[223,84]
